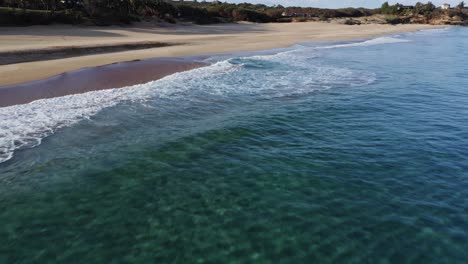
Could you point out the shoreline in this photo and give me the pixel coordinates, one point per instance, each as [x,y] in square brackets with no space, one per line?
[130,68]
[84,80]
[185,41]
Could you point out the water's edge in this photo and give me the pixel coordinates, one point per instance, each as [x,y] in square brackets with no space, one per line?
[130,73]
[84,80]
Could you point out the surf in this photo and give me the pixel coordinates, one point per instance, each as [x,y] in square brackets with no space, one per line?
[293,72]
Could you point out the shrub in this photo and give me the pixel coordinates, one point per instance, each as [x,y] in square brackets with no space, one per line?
[323,18]
[299,19]
[393,20]
[284,20]
[26,17]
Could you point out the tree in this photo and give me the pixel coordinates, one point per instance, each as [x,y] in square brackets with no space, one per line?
[430,7]
[424,9]
[461,5]
[385,6]
[389,9]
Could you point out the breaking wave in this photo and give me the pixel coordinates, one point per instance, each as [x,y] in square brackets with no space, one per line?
[289,73]
[370,42]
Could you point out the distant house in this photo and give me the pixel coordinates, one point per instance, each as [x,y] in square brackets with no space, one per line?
[445,6]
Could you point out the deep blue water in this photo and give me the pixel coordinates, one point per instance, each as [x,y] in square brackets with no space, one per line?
[353,152]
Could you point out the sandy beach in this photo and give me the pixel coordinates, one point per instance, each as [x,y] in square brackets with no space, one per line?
[176,40]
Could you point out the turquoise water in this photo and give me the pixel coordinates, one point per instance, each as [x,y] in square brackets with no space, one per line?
[353,152]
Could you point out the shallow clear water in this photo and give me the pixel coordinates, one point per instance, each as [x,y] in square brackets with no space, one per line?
[323,153]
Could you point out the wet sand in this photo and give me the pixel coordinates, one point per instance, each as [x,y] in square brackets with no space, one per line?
[95,78]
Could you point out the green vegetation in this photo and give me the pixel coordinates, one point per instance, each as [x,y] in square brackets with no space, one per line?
[14,16]
[103,12]
[108,12]
[390,10]
[398,9]
[393,20]
[424,13]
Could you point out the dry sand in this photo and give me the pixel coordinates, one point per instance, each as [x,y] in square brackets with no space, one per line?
[189,40]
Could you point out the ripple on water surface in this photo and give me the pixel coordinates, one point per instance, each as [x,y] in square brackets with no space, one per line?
[321,153]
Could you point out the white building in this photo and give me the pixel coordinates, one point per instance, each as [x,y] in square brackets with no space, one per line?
[445,6]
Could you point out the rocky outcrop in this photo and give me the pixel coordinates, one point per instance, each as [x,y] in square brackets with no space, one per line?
[447,20]
[351,22]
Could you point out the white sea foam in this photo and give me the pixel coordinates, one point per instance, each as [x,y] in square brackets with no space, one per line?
[24,126]
[299,48]
[432,31]
[267,76]
[370,42]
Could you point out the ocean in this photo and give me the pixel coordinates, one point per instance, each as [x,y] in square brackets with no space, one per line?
[339,152]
